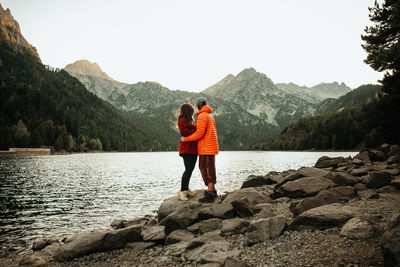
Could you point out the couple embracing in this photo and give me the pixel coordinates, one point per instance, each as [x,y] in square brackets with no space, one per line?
[198,139]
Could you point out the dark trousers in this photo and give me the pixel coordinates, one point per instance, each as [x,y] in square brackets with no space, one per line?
[207,169]
[190,161]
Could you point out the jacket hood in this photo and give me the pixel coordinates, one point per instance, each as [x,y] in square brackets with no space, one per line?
[206,108]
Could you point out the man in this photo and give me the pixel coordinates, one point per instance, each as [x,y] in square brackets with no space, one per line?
[207,147]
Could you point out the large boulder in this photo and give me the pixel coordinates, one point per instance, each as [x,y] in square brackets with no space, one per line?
[169,205]
[394,159]
[344,178]
[234,226]
[394,150]
[264,229]
[179,236]
[385,148]
[325,162]
[359,171]
[203,246]
[328,196]
[97,241]
[357,228]
[377,155]
[390,242]
[219,210]
[242,207]
[313,172]
[378,179]
[326,216]
[181,218]
[266,212]
[363,156]
[44,242]
[304,187]
[259,180]
[255,197]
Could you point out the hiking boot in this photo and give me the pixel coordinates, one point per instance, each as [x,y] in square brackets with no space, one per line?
[208,198]
[190,193]
[214,192]
[182,196]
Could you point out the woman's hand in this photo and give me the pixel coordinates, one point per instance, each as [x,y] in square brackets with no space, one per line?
[183,139]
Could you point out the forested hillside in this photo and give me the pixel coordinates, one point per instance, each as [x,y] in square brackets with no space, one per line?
[42,107]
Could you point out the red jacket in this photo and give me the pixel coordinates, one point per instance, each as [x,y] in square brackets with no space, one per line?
[187,129]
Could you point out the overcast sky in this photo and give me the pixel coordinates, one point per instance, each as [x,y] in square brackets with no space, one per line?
[191,44]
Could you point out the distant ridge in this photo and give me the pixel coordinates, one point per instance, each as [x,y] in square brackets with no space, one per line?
[85,67]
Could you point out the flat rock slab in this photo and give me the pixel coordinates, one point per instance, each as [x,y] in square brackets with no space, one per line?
[327,196]
[305,187]
[206,244]
[154,233]
[140,246]
[344,178]
[206,226]
[178,236]
[326,216]
[255,197]
[97,241]
[234,226]
[357,228]
[264,229]
[325,162]
[313,172]
[218,210]
[181,218]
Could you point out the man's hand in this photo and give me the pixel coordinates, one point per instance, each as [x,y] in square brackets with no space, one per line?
[183,139]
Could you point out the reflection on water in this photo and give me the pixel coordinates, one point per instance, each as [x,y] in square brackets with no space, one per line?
[61,195]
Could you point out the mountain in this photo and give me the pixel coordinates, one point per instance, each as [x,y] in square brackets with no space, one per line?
[316,93]
[11,33]
[257,94]
[361,95]
[85,67]
[42,106]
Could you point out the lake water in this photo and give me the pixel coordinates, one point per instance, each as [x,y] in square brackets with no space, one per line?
[63,194]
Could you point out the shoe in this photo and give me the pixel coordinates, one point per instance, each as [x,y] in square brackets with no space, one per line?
[209,198]
[214,191]
[190,193]
[182,196]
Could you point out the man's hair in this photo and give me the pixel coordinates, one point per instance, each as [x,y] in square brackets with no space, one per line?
[201,101]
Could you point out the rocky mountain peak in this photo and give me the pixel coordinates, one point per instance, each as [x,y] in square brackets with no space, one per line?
[10,32]
[85,67]
[247,73]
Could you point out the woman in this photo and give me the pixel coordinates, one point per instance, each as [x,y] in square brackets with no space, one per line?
[187,150]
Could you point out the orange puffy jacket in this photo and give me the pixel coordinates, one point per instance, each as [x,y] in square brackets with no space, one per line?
[206,133]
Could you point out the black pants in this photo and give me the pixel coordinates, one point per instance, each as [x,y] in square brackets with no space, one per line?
[190,161]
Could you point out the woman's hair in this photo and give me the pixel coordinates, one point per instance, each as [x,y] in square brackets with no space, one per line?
[185,111]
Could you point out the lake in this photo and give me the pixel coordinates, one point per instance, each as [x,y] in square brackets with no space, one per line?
[64,194]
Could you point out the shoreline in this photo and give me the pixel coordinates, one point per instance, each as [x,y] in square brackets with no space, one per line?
[236,222]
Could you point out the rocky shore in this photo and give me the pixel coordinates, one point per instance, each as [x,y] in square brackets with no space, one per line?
[341,212]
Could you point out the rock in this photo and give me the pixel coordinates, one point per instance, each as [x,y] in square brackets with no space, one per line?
[142,221]
[206,226]
[232,262]
[376,155]
[118,224]
[259,207]
[387,189]
[266,212]
[264,229]
[291,177]
[234,226]
[390,242]
[218,257]
[396,183]
[97,241]
[394,150]
[178,236]
[357,228]
[328,196]
[357,162]
[313,172]
[154,233]
[255,197]
[181,218]
[210,265]
[304,187]
[325,162]
[392,172]
[363,157]
[359,172]
[170,205]
[344,178]
[326,216]
[385,148]
[378,179]
[242,207]
[360,186]
[32,261]
[219,210]
[394,159]
[204,245]
[256,180]
[136,247]
[42,243]
[373,196]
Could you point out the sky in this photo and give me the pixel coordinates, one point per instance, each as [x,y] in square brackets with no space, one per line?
[192,44]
